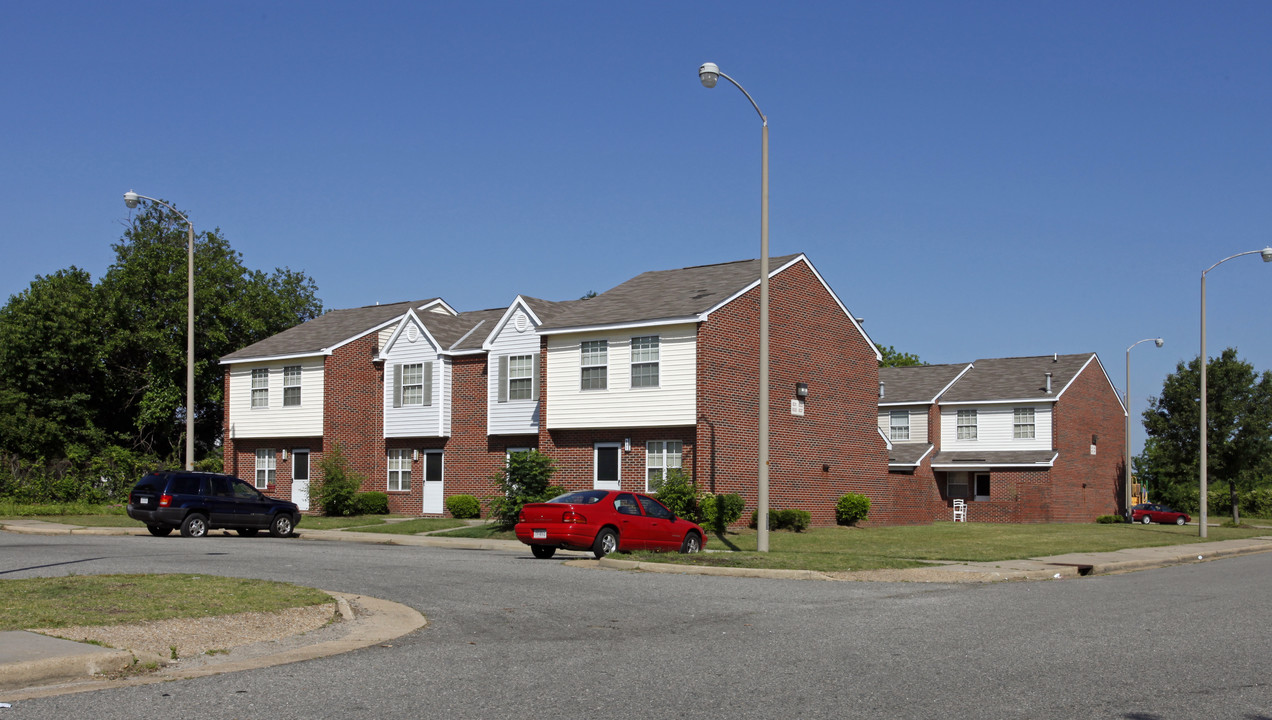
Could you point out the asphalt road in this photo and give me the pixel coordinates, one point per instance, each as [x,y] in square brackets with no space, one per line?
[514,637]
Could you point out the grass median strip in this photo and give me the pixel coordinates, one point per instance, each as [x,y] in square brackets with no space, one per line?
[118,599]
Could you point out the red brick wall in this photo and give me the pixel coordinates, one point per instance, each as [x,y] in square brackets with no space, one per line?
[1085,485]
[835,447]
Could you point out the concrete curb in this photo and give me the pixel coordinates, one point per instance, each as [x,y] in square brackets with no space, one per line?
[69,666]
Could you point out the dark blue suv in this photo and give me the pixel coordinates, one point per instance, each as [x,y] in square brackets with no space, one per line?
[197,502]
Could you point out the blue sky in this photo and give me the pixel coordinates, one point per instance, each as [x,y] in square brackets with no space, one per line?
[975,179]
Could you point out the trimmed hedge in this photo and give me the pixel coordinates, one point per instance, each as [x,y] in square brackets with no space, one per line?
[852,509]
[372,502]
[463,506]
[720,511]
[793,520]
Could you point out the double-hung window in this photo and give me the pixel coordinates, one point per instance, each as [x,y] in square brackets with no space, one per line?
[594,360]
[291,386]
[260,388]
[1022,426]
[521,377]
[966,425]
[645,361]
[266,467]
[413,384]
[899,425]
[660,456]
[399,469]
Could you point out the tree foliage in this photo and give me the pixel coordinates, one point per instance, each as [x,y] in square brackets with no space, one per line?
[894,358]
[527,478]
[84,367]
[1238,437]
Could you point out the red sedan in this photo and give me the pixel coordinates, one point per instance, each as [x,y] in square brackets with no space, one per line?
[1148,513]
[605,521]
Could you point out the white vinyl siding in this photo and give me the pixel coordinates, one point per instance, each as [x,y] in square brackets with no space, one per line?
[275,419]
[505,414]
[918,423]
[416,396]
[672,403]
[995,429]
[266,467]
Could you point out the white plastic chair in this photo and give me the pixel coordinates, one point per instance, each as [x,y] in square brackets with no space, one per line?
[960,510]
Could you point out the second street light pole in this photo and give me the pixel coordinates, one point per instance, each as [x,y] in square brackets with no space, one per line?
[709,73]
[131,199]
[1159,342]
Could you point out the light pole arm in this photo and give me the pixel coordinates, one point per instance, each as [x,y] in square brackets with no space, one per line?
[1212,267]
[748,97]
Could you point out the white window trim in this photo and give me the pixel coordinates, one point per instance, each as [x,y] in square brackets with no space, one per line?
[582,366]
[264,390]
[299,375]
[894,428]
[418,386]
[663,460]
[1017,425]
[656,362]
[959,426]
[399,455]
[528,377]
[270,468]
[596,464]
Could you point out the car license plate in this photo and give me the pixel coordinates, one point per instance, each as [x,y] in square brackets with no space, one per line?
[144,501]
[540,534]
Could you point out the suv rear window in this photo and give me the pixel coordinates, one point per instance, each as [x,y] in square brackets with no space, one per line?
[184,485]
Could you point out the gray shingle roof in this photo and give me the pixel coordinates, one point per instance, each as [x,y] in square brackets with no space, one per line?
[1042,458]
[916,384]
[1016,378]
[665,294]
[468,329]
[907,453]
[325,331]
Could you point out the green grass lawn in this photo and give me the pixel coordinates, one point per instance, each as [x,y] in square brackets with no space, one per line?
[841,548]
[119,599]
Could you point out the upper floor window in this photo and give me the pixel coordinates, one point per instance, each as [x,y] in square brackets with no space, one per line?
[413,384]
[966,424]
[899,425]
[645,361]
[266,467]
[399,469]
[260,388]
[520,377]
[661,456]
[594,355]
[291,386]
[1023,423]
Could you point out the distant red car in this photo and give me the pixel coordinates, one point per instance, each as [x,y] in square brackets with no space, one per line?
[605,521]
[1148,513]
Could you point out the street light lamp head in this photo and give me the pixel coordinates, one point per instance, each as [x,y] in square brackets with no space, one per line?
[1159,342]
[1266,252]
[709,74]
[131,199]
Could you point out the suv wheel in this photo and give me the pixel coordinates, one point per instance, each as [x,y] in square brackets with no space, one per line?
[195,526]
[282,526]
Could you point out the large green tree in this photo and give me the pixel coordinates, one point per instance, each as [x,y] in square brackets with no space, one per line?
[1238,437]
[106,364]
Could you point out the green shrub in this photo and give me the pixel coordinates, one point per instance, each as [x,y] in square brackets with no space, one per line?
[337,487]
[372,502]
[794,520]
[720,511]
[1110,519]
[852,509]
[525,479]
[463,506]
[678,493]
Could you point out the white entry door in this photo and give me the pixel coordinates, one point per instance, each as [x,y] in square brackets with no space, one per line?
[300,478]
[433,490]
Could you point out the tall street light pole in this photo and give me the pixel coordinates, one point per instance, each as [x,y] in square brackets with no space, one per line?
[1159,342]
[131,199]
[1267,257]
[709,74]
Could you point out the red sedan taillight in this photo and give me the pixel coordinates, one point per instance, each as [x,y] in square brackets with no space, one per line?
[165,500]
[572,517]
